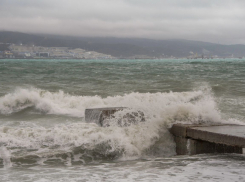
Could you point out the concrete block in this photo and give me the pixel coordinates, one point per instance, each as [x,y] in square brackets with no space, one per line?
[178,130]
[203,147]
[187,146]
[103,116]
[181,129]
[181,145]
[198,139]
[232,135]
[97,115]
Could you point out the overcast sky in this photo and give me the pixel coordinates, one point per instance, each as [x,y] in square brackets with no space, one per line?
[219,21]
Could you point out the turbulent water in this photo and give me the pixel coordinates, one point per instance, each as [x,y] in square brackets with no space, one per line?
[44,136]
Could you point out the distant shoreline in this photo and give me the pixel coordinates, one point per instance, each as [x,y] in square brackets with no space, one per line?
[119,59]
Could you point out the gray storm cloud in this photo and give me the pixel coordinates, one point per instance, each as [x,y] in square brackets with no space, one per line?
[219,21]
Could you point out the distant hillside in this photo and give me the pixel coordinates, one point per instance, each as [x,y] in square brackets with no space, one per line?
[29,39]
[126,47]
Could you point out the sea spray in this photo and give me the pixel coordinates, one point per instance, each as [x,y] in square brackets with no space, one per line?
[86,142]
[5,155]
[82,137]
[190,106]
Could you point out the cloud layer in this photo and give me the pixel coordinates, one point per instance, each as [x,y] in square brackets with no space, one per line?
[219,21]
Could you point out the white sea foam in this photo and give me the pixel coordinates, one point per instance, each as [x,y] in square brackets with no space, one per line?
[173,106]
[5,155]
[147,138]
[130,141]
[201,168]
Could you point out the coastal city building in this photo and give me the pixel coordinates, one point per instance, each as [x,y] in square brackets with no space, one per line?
[27,51]
[21,51]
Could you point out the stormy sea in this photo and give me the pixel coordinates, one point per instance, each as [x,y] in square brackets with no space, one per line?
[44,136]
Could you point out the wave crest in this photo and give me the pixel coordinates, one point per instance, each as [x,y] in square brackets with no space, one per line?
[151,137]
[195,106]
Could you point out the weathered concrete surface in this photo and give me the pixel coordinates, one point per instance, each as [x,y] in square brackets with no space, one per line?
[228,134]
[197,139]
[187,146]
[97,115]
[104,116]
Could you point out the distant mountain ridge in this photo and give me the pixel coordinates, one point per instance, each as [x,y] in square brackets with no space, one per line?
[126,47]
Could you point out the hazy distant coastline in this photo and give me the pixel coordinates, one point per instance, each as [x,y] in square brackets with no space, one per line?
[16,45]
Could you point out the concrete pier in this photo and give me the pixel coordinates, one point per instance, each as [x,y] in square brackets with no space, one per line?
[104,116]
[98,115]
[198,139]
